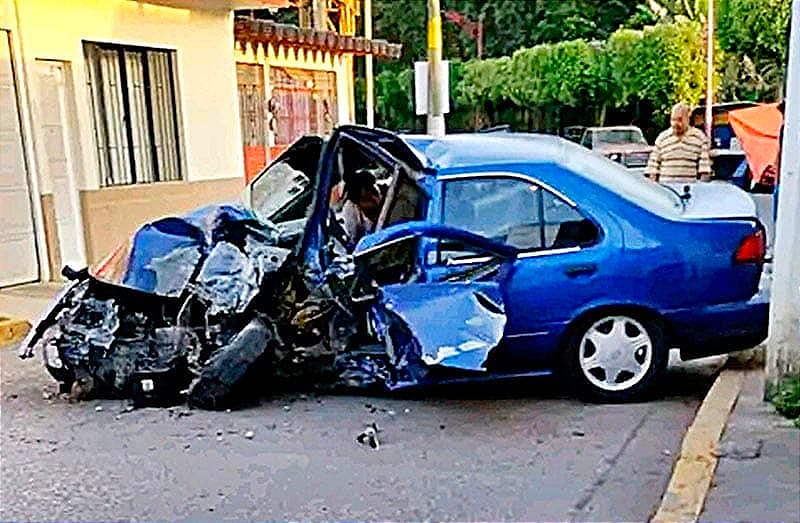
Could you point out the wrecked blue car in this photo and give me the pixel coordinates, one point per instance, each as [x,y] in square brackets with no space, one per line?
[374,260]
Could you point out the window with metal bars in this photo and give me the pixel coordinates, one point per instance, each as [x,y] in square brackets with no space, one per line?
[134,102]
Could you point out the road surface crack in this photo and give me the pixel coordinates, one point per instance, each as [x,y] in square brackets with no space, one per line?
[604,470]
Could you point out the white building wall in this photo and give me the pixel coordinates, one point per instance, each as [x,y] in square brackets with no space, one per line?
[205,63]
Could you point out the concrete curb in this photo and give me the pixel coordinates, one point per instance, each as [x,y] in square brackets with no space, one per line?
[12,330]
[694,469]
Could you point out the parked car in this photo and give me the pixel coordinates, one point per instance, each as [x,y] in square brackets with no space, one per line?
[573,133]
[622,144]
[494,256]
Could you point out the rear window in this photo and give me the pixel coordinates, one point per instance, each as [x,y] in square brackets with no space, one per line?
[615,177]
[620,137]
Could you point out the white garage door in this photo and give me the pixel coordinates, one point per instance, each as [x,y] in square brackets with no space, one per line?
[18,260]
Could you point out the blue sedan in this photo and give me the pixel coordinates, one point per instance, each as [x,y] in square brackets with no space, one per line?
[402,261]
[595,272]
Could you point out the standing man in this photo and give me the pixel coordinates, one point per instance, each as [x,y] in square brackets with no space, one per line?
[680,153]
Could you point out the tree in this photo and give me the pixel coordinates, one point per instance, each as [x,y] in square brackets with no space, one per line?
[508,24]
[394,102]
[754,34]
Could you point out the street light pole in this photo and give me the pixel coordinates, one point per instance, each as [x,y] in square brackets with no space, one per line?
[783,345]
[435,110]
[368,66]
[709,66]
[479,39]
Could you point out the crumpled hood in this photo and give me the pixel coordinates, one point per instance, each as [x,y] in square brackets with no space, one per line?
[226,246]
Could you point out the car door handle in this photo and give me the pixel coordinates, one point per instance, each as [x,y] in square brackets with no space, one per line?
[584,269]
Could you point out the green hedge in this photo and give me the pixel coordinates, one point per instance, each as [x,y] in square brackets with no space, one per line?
[633,76]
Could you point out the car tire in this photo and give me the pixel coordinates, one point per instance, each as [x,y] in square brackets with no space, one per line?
[615,357]
[221,381]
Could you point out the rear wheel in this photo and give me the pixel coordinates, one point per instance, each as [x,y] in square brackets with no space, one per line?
[616,357]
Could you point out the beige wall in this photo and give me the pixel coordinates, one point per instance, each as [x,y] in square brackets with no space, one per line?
[51,237]
[56,29]
[111,215]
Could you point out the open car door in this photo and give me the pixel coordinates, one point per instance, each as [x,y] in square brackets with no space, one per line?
[407,306]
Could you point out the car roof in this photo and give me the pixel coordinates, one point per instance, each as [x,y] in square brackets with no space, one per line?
[614,128]
[456,151]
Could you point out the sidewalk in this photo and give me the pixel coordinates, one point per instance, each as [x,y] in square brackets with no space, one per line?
[758,474]
[24,304]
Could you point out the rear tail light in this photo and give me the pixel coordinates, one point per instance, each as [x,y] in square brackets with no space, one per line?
[752,249]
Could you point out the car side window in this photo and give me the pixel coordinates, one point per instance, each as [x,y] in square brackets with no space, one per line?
[496,208]
[515,212]
[564,226]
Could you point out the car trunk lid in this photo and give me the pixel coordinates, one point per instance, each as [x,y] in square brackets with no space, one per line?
[715,200]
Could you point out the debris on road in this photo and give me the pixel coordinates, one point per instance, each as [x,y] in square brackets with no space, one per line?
[98,408]
[369,436]
[249,434]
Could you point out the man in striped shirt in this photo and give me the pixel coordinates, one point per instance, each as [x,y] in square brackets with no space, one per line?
[680,153]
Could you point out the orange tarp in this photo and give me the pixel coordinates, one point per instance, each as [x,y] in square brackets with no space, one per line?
[757,129]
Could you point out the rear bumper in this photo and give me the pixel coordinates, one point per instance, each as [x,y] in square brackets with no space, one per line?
[720,329]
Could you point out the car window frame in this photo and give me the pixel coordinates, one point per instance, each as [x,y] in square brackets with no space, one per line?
[290,151]
[531,180]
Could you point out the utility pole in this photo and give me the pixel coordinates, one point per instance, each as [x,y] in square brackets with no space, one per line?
[783,345]
[319,14]
[368,66]
[709,67]
[435,113]
[479,44]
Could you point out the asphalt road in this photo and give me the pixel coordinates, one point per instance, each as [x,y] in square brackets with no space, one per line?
[514,452]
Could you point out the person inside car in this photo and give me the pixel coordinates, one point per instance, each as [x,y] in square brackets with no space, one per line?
[362,204]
